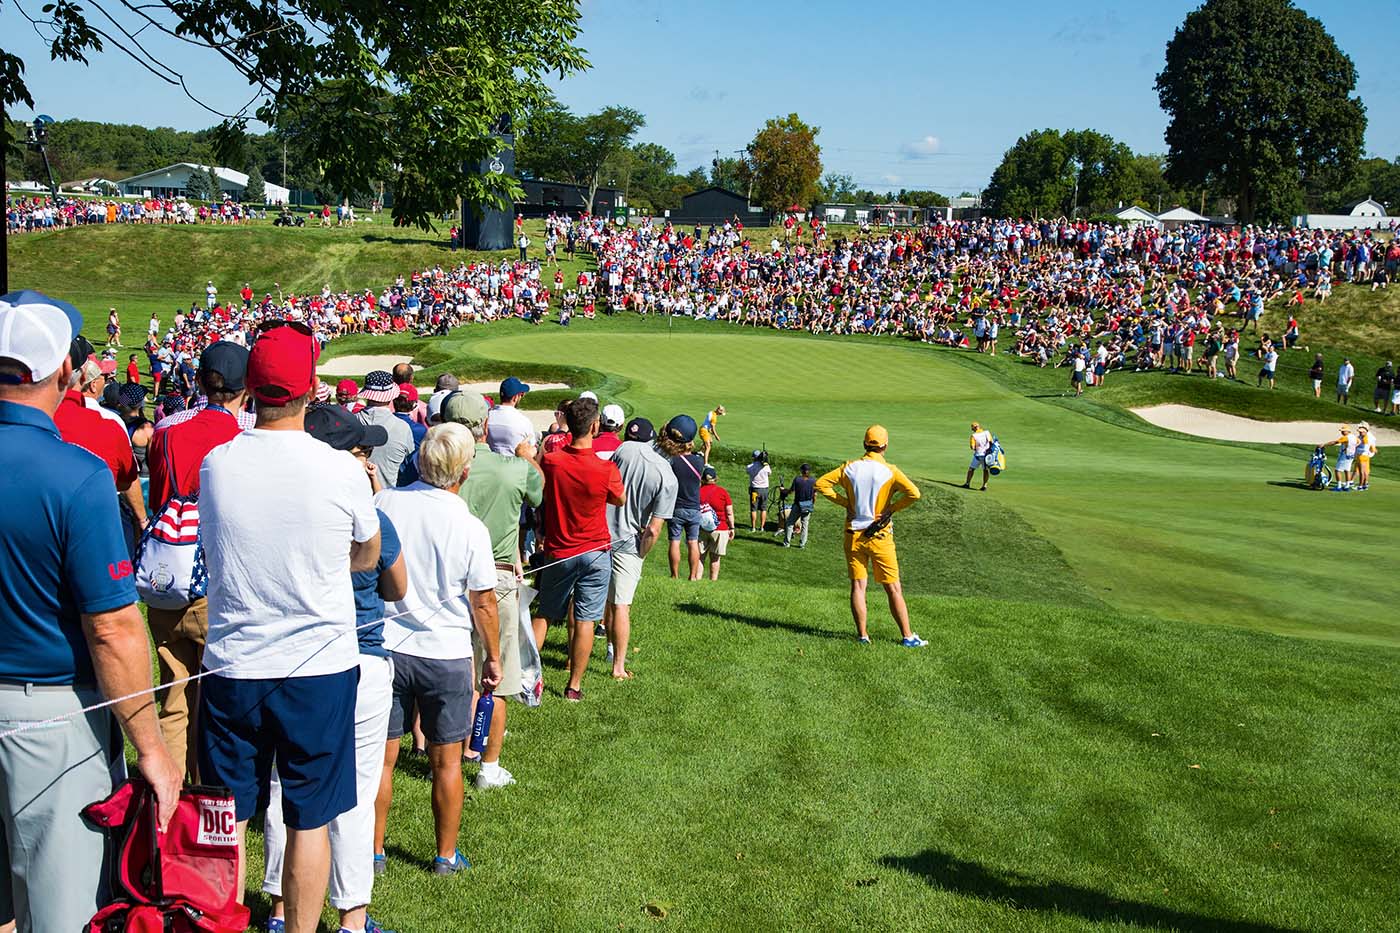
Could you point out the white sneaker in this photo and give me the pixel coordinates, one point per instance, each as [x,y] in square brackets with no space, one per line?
[612,652]
[501,778]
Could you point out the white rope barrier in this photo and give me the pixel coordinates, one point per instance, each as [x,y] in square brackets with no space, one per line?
[41,723]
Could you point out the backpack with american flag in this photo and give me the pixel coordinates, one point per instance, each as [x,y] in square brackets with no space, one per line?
[170,571]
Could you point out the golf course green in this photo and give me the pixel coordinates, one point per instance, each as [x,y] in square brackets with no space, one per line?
[1159,692]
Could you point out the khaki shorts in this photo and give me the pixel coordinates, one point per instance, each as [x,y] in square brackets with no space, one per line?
[714,543]
[508,614]
[873,551]
[626,573]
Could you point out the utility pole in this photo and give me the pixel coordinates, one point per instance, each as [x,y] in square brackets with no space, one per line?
[284,168]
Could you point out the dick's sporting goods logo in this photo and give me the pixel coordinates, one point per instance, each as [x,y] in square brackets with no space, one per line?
[218,826]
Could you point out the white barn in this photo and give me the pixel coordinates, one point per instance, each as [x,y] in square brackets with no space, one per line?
[173,180]
[1366,214]
[1132,214]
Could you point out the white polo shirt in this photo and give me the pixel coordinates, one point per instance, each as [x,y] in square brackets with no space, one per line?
[447,554]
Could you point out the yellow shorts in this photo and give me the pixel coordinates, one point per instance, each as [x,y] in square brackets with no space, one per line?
[704,436]
[875,552]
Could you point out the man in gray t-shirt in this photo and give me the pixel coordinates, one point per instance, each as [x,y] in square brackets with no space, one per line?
[388,458]
[634,527]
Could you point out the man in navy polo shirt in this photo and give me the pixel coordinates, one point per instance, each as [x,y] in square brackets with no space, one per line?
[72,635]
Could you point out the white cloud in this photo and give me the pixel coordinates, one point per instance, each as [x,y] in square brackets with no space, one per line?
[920,148]
[890,179]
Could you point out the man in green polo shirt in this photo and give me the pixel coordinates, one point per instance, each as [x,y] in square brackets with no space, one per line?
[494,491]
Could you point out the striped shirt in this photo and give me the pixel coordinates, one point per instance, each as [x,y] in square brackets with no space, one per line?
[246,419]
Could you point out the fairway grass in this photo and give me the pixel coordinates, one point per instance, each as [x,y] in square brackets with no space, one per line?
[1159,692]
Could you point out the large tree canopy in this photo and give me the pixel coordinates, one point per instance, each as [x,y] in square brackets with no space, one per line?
[787,163]
[1048,173]
[1259,99]
[558,145]
[406,91]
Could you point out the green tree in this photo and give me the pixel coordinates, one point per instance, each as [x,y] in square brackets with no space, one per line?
[732,174]
[653,177]
[1259,99]
[454,69]
[214,185]
[836,186]
[256,192]
[922,198]
[197,187]
[557,145]
[787,162]
[1049,173]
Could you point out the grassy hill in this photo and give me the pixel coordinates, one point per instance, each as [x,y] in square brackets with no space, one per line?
[1158,694]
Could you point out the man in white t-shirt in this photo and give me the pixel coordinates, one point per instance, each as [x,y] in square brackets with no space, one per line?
[980,442]
[211,296]
[451,591]
[509,426]
[284,520]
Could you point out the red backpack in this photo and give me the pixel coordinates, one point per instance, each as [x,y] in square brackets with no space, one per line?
[184,880]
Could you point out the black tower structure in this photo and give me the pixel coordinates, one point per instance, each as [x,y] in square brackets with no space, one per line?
[485,226]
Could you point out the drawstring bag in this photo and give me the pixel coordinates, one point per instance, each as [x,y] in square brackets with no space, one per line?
[170,571]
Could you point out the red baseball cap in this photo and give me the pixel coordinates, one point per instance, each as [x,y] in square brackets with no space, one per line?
[282,365]
[348,386]
[409,391]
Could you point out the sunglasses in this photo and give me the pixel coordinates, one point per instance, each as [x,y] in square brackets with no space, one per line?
[297,326]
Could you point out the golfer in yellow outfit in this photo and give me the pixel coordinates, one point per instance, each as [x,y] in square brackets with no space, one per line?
[872,491]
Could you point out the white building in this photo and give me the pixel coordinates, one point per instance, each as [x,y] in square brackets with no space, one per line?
[1367,214]
[173,180]
[1132,214]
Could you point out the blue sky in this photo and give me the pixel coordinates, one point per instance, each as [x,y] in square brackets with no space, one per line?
[912,94]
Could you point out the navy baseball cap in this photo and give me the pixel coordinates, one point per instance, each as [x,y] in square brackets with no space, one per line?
[229,360]
[511,387]
[640,429]
[681,429]
[334,425]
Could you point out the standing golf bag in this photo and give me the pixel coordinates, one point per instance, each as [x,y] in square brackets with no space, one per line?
[995,457]
[1319,474]
[184,880]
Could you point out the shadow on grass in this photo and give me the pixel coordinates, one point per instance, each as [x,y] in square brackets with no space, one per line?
[758,621]
[1290,484]
[941,870]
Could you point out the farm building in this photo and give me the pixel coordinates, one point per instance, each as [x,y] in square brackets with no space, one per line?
[173,181]
[1366,214]
[715,205]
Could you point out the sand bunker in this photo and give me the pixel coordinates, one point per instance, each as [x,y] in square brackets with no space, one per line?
[358,365]
[1202,422]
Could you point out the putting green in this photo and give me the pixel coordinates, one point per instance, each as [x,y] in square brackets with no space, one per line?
[1154,524]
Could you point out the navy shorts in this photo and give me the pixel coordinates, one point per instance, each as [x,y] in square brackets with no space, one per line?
[684,523]
[585,579]
[439,691]
[306,725]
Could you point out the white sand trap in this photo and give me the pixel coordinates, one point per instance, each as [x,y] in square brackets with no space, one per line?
[358,365]
[1202,422]
[493,388]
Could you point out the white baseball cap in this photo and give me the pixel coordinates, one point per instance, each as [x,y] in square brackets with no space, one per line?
[37,331]
[613,414]
[587,394]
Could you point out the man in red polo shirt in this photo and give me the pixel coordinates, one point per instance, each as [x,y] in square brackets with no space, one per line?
[175,457]
[80,425]
[578,487]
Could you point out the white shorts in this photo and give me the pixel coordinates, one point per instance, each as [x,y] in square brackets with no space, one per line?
[626,573]
[976,461]
[1343,464]
[1317,384]
[1395,397]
